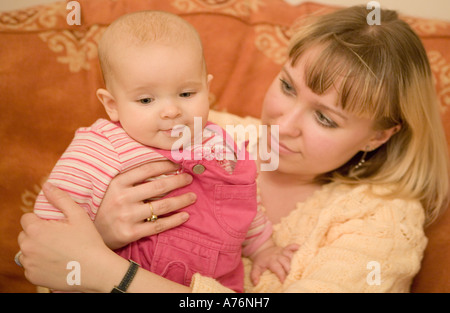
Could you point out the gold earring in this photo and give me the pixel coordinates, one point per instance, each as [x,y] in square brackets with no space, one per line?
[363,158]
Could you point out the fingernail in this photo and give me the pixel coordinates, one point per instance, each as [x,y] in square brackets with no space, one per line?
[193,197]
[189,178]
[184,216]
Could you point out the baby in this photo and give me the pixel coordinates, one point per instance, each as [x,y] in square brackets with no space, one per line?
[156,87]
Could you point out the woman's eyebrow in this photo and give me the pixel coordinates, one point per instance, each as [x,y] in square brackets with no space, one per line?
[330,109]
[283,69]
[318,104]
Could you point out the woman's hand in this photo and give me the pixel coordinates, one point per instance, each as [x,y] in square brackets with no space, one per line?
[50,247]
[122,213]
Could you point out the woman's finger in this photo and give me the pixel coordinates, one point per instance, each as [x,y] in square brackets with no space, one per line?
[21,237]
[145,171]
[62,201]
[28,219]
[166,205]
[161,224]
[158,187]
[120,227]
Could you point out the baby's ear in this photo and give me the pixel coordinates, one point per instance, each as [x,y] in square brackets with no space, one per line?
[108,101]
[209,79]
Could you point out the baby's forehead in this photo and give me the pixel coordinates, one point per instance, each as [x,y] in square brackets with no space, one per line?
[145,29]
[150,26]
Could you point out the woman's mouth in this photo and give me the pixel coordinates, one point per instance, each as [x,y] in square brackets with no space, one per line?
[280,147]
[283,149]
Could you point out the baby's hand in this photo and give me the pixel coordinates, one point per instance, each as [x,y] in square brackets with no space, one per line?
[274,258]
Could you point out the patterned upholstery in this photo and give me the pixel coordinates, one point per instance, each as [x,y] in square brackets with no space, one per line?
[49,73]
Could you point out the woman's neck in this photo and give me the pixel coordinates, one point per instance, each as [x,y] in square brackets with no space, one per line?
[287,179]
[280,192]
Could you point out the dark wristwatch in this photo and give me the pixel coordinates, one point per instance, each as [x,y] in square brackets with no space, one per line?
[126,280]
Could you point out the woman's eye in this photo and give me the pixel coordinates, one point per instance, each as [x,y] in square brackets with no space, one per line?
[324,120]
[146,100]
[286,87]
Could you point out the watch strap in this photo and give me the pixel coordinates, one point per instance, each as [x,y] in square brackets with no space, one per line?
[127,279]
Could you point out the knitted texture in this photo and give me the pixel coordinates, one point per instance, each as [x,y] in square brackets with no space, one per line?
[352,239]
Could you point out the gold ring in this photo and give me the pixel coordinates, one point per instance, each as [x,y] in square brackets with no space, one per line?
[153,217]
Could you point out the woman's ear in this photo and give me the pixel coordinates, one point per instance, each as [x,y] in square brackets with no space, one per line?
[382,136]
[108,101]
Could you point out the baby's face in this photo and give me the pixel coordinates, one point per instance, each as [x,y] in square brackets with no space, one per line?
[157,87]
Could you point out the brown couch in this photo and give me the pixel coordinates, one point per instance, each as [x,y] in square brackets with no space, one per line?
[49,73]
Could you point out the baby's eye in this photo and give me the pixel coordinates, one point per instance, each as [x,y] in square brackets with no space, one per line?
[146,100]
[187,94]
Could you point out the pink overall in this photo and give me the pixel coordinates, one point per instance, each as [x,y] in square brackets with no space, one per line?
[210,242]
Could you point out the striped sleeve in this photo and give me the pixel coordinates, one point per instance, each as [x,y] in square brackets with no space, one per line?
[130,153]
[84,171]
[259,232]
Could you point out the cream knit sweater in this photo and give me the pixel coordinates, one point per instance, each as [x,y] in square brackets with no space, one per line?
[351,239]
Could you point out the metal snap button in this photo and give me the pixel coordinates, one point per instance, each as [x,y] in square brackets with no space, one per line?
[198,169]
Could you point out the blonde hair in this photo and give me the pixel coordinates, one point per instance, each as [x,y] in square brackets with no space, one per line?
[141,28]
[384,74]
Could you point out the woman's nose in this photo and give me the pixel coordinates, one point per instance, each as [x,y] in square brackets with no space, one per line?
[290,123]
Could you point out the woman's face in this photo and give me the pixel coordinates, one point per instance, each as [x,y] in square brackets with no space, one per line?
[315,135]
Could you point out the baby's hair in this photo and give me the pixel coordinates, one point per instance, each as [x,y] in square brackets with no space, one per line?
[141,28]
[381,72]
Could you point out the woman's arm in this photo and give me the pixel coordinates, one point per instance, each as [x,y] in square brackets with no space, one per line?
[49,246]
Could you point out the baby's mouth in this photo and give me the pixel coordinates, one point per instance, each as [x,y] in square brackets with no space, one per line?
[175,131]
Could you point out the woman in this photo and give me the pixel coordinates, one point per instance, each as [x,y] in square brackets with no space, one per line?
[362,168]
